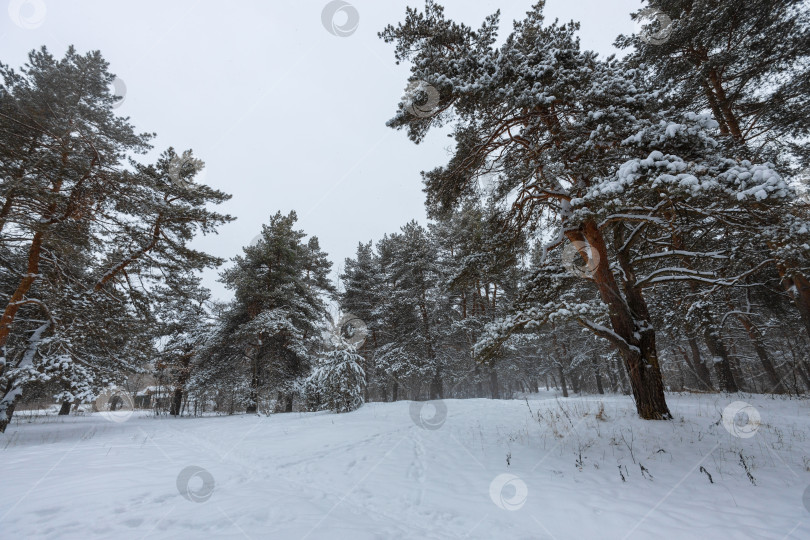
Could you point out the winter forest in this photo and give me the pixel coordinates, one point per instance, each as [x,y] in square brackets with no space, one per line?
[611,271]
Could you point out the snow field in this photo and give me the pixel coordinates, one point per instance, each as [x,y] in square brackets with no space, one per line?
[544,467]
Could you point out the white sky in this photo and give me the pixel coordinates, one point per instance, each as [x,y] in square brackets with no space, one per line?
[285,115]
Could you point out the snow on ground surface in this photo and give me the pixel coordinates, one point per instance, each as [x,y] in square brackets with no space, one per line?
[407,470]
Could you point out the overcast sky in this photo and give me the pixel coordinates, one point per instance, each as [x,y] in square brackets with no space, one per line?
[286,115]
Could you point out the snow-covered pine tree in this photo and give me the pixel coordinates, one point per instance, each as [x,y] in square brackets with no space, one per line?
[184,323]
[88,232]
[413,310]
[747,64]
[271,330]
[339,379]
[544,118]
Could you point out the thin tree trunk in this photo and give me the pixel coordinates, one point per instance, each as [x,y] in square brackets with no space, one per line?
[725,105]
[622,371]
[64,410]
[436,387]
[493,384]
[288,403]
[703,373]
[253,403]
[720,358]
[575,383]
[598,375]
[563,386]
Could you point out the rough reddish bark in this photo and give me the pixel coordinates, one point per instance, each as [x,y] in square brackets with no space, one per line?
[626,308]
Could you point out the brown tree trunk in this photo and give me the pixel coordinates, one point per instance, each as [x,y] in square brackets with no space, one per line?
[720,358]
[725,105]
[718,114]
[636,342]
[798,288]
[180,384]
[253,404]
[177,401]
[703,373]
[16,301]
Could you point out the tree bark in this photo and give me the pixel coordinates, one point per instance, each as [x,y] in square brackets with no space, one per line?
[436,387]
[563,386]
[725,105]
[64,410]
[631,324]
[720,358]
[798,288]
[598,375]
[703,373]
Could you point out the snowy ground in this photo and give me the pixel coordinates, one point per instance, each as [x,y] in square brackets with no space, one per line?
[387,472]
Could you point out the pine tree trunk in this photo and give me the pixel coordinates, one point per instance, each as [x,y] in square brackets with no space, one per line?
[725,105]
[563,386]
[703,373]
[798,289]
[395,391]
[436,388]
[721,360]
[630,320]
[599,387]
[253,404]
[288,403]
[713,105]
[180,383]
[64,410]
[493,384]
[177,401]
